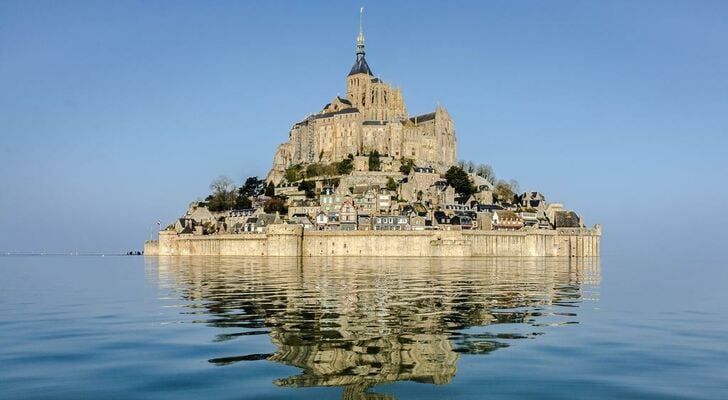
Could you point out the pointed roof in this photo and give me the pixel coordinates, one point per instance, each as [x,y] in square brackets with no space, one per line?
[360,65]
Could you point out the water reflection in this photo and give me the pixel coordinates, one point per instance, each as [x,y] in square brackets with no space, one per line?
[357,323]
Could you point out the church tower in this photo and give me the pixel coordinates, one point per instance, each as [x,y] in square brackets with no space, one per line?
[376,99]
[360,75]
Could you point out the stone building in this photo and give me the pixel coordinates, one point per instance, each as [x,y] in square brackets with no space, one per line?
[372,117]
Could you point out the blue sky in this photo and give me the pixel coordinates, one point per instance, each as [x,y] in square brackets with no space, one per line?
[116,114]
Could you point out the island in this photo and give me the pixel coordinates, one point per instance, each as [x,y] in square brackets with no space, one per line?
[362,177]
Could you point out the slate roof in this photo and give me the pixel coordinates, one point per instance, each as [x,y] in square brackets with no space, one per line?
[331,114]
[423,117]
[360,67]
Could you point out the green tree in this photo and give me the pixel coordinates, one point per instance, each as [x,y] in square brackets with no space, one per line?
[345,166]
[275,204]
[270,190]
[406,165]
[252,187]
[309,187]
[294,173]
[313,170]
[459,179]
[243,201]
[391,184]
[374,163]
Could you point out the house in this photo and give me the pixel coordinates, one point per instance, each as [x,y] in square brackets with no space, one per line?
[260,222]
[303,220]
[249,225]
[529,218]
[322,218]
[441,218]
[184,226]
[463,221]
[506,221]
[348,214]
[327,221]
[364,222]
[366,201]
[330,199]
[533,200]
[310,207]
[414,209]
[390,223]
[417,183]
[419,223]
[198,212]
[455,207]
[383,201]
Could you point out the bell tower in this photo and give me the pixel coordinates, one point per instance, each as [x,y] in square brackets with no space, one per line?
[357,81]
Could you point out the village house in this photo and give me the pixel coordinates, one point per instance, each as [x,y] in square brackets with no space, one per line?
[441,219]
[462,221]
[303,220]
[366,201]
[348,215]
[419,223]
[327,221]
[260,222]
[309,207]
[534,200]
[184,226]
[364,222]
[504,220]
[390,223]
[384,201]
[529,219]
[419,180]
[330,199]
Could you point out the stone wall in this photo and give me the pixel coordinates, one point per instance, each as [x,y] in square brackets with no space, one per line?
[292,241]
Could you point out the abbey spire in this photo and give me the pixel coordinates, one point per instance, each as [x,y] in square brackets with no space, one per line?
[360,38]
[360,65]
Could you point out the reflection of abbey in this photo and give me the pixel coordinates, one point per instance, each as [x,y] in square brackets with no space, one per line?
[372,117]
[375,321]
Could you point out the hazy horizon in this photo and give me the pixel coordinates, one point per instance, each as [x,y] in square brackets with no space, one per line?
[116,115]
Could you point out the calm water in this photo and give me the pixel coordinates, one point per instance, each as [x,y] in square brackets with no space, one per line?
[134,327]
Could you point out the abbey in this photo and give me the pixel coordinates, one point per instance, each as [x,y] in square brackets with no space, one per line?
[372,117]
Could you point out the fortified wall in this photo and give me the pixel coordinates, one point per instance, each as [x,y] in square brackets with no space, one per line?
[293,241]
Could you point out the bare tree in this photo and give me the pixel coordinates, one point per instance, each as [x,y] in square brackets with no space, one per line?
[221,185]
[470,167]
[515,186]
[223,194]
[485,171]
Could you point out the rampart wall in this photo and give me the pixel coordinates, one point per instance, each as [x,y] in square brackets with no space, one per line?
[293,241]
